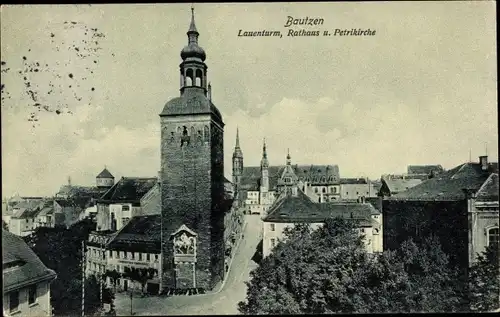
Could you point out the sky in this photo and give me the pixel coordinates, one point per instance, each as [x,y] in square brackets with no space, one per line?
[422,90]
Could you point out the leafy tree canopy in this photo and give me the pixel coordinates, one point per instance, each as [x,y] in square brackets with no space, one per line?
[484,281]
[329,271]
[60,249]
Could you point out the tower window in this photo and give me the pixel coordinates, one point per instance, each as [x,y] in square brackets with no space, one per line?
[188,81]
[199,78]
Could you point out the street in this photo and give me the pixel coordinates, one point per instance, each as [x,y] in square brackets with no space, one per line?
[222,303]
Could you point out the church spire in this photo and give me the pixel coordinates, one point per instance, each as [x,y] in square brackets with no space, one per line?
[288,158]
[264,163]
[237,150]
[237,137]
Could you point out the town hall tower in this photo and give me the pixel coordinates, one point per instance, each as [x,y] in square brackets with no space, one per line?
[192,178]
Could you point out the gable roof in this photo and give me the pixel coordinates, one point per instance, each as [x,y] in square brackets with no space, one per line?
[301,209]
[489,189]
[424,169]
[130,189]
[105,174]
[399,185]
[450,185]
[21,266]
[141,233]
[313,174]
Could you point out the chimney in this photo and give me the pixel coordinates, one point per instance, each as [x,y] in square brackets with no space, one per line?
[483,160]
[159,176]
[209,93]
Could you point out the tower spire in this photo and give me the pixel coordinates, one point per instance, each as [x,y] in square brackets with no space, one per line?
[192,28]
[237,137]
[264,152]
[288,158]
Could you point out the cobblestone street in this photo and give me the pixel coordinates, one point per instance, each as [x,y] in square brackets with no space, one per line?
[222,303]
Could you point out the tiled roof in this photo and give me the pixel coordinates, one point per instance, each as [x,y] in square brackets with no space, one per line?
[22,266]
[82,191]
[424,169]
[105,174]
[65,202]
[449,185]
[141,233]
[489,190]
[400,185]
[314,174]
[294,209]
[46,211]
[353,181]
[130,189]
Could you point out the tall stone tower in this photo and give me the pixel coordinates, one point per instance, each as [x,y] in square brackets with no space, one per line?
[192,178]
[237,163]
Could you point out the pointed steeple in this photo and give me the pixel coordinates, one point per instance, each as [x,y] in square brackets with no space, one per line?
[192,26]
[288,158]
[237,150]
[264,163]
[193,50]
[237,137]
[264,152]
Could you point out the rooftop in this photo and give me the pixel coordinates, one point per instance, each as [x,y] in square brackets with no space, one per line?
[141,233]
[21,266]
[105,174]
[299,208]
[130,189]
[450,185]
[424,169]
[314,174]
[400,185]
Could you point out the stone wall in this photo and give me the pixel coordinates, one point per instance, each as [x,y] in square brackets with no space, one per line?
[192,188]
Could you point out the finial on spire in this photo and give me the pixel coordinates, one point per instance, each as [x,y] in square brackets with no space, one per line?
[192,26]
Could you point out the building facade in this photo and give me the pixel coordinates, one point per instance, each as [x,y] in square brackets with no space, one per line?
[26,280]
[293,207]
[459,206]
[129,197]
[259,186]
[192,178]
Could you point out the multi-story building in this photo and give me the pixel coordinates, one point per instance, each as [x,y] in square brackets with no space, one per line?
[354,188]
[260,186]
[192,178]
[26,280]
[136,246]
[293,207]
[459,206]
[129,197]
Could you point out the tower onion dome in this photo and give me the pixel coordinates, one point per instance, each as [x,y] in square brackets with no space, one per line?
[193,49]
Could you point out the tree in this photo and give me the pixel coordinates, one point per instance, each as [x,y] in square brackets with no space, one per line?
[4,225]
[114,277]
[435,283]
[329,271]
[60,249]
[93,293]
[141,275]
[484,281]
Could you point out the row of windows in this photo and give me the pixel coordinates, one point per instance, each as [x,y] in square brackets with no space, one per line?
[14,298]
[132,255]
[122,255]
